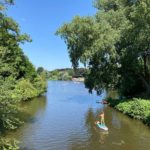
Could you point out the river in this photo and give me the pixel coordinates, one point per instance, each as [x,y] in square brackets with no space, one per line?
[63,119]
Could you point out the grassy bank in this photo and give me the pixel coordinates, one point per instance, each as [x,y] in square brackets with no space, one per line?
[135,108]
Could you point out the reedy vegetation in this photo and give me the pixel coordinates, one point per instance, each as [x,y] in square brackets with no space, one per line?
[19,80]
[113,44]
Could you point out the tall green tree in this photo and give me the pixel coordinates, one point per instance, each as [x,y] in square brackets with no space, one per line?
[78,36]
[19,79]
[114,44]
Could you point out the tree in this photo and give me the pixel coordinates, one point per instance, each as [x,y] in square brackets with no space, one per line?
[78,36]
[114,44]
[40,70]
[18,77]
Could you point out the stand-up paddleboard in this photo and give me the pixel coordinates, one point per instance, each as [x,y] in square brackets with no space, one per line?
[101,126]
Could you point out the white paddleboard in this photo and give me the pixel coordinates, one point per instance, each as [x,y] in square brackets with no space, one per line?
[104,127]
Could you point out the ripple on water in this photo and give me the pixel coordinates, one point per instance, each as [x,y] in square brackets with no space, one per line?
[63,120]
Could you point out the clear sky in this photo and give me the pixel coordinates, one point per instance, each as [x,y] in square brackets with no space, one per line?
[40,19]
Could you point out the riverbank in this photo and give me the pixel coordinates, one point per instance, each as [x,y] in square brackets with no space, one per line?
[12,93]
[48,127]
[135,108]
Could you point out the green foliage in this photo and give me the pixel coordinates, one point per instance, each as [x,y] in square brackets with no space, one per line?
[40,70]
[113,44]
[40,84]
[8,107]
[14,64]
[135,108]
[12,59]
[7,144]
[80,29]
[19,79]
[66,74]
[60,75]
[25,90]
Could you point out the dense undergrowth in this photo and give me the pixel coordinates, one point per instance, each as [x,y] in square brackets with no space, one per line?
[136,108]
[19,79]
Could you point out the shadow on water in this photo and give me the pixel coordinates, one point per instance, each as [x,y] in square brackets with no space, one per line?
[28,111]
[64,120]
[124,133]
[31,109]
[31,112]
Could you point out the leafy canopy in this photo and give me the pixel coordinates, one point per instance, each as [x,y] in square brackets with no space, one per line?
[113,44]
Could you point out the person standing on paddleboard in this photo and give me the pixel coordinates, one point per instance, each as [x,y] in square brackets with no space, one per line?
[101,123]
[102,120]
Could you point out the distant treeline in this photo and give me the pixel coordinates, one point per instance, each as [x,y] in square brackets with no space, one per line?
[66,74]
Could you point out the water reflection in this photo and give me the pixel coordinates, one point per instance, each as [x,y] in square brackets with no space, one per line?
[32,109]
[124,133]
[95,133]
[64,120]
[95,137]
[115,121]
[113,94]
[31,113]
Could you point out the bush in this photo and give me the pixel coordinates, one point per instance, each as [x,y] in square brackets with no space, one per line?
[40,84]
[8,105]
[135,108]
[6,144]
[64,74]
[25,90]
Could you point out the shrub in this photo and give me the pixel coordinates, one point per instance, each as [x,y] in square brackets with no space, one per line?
[25,90]
[8,105]
[135,108]
[6,144]
[40,84]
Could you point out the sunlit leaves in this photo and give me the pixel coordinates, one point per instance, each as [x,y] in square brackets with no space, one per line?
[78,36]
[114,49]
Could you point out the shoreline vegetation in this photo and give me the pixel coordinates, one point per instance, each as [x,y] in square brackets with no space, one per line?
[114,45]
[135,108]
[67,74]
[19,79]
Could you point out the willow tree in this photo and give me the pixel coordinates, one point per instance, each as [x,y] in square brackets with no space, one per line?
[78,36]
[114,44]
[97,47]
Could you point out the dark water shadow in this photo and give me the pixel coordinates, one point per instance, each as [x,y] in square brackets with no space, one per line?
[31,108]
[29,113]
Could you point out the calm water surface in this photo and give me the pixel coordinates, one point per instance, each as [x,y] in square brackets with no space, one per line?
[64,118]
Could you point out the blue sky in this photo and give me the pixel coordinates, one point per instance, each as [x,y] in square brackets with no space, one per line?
[40,19]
